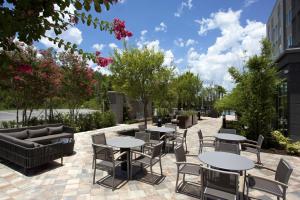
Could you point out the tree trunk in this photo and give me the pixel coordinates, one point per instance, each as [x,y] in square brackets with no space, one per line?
[145,103]
[17,117]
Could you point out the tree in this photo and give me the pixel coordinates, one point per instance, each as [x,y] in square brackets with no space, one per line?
[140,74]
[29,20]
[253,98]
[77,82]
[187,87]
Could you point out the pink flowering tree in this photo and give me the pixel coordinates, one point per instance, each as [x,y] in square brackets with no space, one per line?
[77,82]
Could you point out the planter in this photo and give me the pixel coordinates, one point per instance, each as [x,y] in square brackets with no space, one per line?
[194,119]
[184,121]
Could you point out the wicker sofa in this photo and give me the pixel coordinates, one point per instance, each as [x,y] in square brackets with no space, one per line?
[33,146]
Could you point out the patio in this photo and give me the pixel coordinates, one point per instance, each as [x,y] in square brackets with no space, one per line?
[74,179]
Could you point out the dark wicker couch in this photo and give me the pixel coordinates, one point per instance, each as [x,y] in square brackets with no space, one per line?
[33,146]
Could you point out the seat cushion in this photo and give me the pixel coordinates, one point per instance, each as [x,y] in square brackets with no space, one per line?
[20,134]
[55,130]
[23,143]
[190,169]
[38,132]
[49,138]
[264,185]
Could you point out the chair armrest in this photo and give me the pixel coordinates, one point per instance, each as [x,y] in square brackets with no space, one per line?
[188,163]
[206,140]
[140,153]
[191,155]
[267,179]
[251,145]
[209,137]
[250,141]
[162,137]
[121,154]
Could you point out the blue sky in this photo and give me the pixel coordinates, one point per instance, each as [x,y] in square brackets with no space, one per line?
[202,36]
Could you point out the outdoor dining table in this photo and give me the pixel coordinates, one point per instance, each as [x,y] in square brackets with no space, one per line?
[232,138]
[125,144]
[163,131]
[227,161]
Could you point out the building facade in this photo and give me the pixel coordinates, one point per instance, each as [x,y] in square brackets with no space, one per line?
[283,30]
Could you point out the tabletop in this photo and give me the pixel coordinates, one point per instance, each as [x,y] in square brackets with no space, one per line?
[161,129]
[230,137]
[125,142]
[227,161]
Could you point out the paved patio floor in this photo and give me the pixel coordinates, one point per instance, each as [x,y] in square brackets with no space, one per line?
[73,180]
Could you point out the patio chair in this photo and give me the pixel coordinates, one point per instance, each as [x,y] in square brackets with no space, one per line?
[278,186]
[254,147]
[170,125]
[205,141]
[181,140]
[142,127]
[105,155]
[184,167]
[99,138]
[219,184]
[228,147]
[149,160]
[227,130]
[142,135]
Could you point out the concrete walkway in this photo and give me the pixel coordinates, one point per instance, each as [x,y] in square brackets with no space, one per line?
[74,179]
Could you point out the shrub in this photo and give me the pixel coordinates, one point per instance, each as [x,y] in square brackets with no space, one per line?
[293,148]
[107,119]
[280,140]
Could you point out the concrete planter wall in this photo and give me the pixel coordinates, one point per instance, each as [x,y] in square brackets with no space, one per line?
[184,121]
[194,119]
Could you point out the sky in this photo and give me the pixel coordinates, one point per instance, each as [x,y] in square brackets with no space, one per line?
[205,37]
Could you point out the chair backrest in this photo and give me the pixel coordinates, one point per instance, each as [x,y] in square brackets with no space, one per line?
[283,171]
[227,130]
[142,135]
[228,147]
[171,126]
[103,152]
[260,140]
[142,127]
[220,180]
[154,135]
[200,135]
[99,138]
[156,151]
[180,153]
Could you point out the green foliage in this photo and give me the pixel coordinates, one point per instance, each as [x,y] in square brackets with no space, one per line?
[253,98]
[293,148]
[280,139]
[187,87]
[140,74]
[188,113]
[282,142]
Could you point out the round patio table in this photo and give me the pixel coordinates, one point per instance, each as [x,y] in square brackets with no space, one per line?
[125,144]
[227,161]
[161,129]
[230,137]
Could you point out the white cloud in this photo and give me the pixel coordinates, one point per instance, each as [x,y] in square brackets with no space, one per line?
[169,58]
[181,43]
[184,4]
[98,47]
[235,44]
[113,45]
[248,3]
[121,1]
[162,27]
[178,61]
[143,32]
[73,35]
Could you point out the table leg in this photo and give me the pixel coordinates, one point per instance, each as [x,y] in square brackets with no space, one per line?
[124,158]
[244,184]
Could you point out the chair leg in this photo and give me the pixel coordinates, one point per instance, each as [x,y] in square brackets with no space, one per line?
[161,172]
[128,166]
[113,181]
[94,175]
[183,178]
[258,158]
[62,161]
[185,146]
[176,185]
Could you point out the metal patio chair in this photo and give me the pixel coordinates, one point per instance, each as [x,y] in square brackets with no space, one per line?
[181,140]
[219,184]
[228,147]
[205,141]
[107,162]
[254,147]
[184,167]
[149,160]
[278,186]
[227,130]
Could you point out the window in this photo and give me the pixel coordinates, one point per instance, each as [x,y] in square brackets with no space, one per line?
[282,107]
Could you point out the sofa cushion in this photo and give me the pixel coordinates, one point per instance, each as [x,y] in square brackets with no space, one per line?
[38,133]
[49,138]
[23,143]
[19,134]
[55,130]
